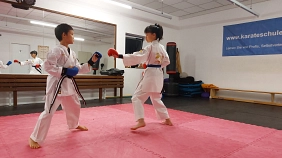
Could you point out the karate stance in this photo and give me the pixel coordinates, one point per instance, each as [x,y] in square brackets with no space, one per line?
[35,62]
[61,88]
[156,57]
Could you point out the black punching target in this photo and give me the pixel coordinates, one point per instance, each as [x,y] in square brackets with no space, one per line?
[171,88]
[171,50]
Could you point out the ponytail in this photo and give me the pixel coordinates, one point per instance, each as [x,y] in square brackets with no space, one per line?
[157,29]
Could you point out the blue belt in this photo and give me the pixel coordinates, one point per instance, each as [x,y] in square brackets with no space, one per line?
[156,66]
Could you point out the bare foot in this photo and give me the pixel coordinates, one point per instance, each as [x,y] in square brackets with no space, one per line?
[141,123]
[167,122]
[33,144]
[82,128]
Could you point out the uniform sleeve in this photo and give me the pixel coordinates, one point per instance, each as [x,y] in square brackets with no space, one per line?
[2,65]
[27,62]
[50,64]
[83,69]
[166,60]
[137,57]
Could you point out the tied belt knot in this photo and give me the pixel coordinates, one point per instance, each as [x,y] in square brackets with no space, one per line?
[37,69]
[58,88]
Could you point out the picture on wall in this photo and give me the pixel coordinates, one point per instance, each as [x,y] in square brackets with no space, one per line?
[42,52]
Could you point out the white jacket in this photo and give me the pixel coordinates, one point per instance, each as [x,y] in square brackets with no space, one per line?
[154,54]
[33,62]
[58,58]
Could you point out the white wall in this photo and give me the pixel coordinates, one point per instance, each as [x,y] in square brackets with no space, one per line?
[201,51]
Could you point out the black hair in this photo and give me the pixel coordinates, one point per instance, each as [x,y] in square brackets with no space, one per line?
[157,29]
[60,29]
[33,52]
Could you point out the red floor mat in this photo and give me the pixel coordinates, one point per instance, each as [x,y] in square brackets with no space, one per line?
[192,136]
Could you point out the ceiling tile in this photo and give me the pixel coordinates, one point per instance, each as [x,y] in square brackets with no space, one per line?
[11,20]
[210,5]
[198,2]
[34,17]
[142,2]
[18,13]
[247,2]
[155,5]
[179,13]
[205,12]
[194,9]
[53,15]
[2,11]
[183,5]
[223,2]
[4,8]
[168,9]
[170,2]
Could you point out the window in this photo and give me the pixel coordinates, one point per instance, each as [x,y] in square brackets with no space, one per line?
[133,43]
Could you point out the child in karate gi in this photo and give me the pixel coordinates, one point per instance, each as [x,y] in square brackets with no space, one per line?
[2,66]
[35,62]
[155,57]
[61,88]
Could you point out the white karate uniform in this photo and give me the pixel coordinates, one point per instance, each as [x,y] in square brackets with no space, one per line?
[152,82]
[33,62]
[68,98]
[3,66]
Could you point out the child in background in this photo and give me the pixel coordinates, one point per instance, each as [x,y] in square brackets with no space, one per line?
[5,66]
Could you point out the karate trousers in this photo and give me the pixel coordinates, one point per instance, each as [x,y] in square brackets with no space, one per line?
[70,105]
[138,99]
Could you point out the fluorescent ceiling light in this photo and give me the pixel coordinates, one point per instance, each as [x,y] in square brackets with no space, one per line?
[43,23]
[78,39]
[52,25]
[119,4]
[74,27]
[235,2]
[141,8]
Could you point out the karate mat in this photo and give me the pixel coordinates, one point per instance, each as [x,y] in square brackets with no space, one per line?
[109,136]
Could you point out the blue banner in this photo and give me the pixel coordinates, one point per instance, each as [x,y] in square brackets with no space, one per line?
[253,38]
